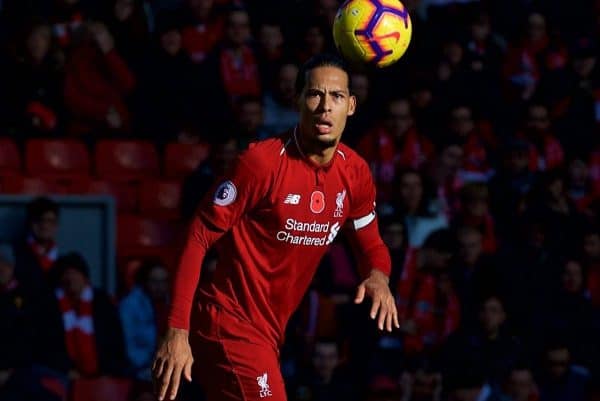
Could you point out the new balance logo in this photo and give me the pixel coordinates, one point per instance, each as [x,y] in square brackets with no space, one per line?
[265,390]
[292,199]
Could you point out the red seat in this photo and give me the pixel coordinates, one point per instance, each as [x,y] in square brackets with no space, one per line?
[17,184]
[125,194]
[160,198]
[143,237]
[125,160]
[140,231]
[57,157]
[101,389]
[10,157]
[181,159]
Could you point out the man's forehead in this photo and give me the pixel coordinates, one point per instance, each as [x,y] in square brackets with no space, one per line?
[327,76]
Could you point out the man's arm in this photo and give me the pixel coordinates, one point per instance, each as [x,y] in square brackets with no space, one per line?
[372,254]
[375,266]
[235,195]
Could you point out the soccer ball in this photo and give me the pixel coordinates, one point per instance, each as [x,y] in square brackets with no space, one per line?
[372,31]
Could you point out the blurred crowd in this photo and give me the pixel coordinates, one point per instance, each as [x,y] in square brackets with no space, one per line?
[483,141]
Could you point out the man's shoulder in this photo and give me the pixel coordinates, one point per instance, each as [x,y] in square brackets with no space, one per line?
[265,151]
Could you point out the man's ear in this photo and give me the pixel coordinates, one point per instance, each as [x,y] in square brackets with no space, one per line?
[352,105]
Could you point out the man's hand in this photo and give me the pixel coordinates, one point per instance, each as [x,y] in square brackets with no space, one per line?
[377,287]
[174,357]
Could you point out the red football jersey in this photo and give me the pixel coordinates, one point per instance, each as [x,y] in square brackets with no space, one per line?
[272,218]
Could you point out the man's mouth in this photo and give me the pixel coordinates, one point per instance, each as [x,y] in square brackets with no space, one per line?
[323,126]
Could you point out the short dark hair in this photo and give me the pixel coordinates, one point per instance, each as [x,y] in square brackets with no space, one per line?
[441,240]
[38,207]
[320,60]
[71,260]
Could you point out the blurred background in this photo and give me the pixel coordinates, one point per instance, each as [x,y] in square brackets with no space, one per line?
[117,115]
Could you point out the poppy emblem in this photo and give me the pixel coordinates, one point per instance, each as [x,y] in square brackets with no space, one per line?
[317,202]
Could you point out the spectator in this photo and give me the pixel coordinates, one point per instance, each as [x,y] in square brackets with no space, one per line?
[475,212]
[591,260]
[569,312]
[234,61]
[489,342]
[313,39]
[97,82]
[478,144]
[67,17]
[32,103]
[394,144]
[561,380]
[545,151]
[511,186]
[469,384]
[579,186]
[15,325]
[78,331]
[421,384]
[474,272]
[271,47]
[36,253]
[527,60]
[356,127]
[550,200]
[428,307]
[249,120]
[326,378]
[141,318]
[128,22]
[444,171]
[279,103]
[415,204]
[171,86]
[529,266]
[204,29]
[573,96]
[520,384]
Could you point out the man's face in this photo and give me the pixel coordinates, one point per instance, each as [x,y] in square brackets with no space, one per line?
[238,28]
[200,8]
[451,158]
[520,385]
[393,236]
[73,282]
[558,361]
[46,228]
[584,66]
[492,315]
[360,87]
[251,116]
[517,160]
[462,121]
[170,41]
[424,386]
[325,359]
[38,42]
[158,283]
[6,272]
[325,104]
[591,247]
[470,247]
[270,37]
[538,120]
[286,83]
[572,277]
[399,118]
[411,191]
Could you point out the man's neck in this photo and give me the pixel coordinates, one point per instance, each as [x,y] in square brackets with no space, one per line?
[318,155]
